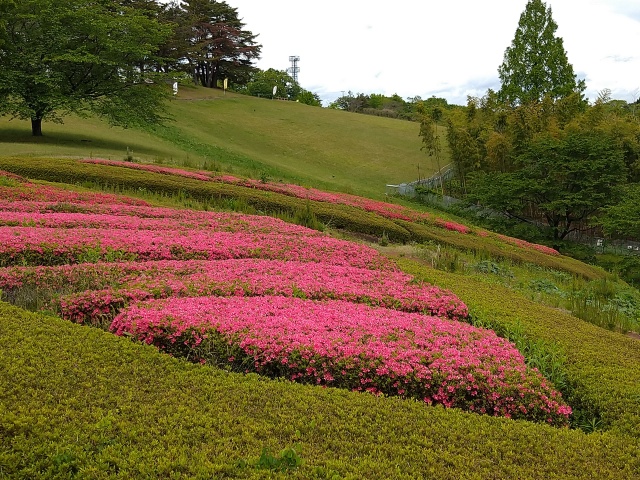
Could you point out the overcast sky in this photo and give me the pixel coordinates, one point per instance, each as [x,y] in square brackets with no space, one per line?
[449,48]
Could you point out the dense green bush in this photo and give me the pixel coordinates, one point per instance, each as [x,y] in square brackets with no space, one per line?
[77,402]
[602,367]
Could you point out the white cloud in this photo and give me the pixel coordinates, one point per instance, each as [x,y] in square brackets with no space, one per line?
[449,49]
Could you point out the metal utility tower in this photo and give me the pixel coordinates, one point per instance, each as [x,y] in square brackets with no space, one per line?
[294,69]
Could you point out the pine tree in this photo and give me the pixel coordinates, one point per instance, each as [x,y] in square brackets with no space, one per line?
[536,63]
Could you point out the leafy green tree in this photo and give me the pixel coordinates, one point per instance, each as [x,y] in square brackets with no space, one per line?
[565,180]
[623,218]
[77,56]
[309,98]
[263,81]
[536,63]
[429,133]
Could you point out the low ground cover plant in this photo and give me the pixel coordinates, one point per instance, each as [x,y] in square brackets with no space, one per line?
[76,399]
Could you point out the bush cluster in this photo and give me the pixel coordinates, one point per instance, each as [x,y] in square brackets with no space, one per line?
[81,403]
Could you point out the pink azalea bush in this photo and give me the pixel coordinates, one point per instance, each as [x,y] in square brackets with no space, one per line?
[28,191]
[54,246]
[247,277]
[338,343]
[528,245]
[151,168]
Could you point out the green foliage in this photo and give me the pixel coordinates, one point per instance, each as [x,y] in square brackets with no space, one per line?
[499,251]
[623,218]
[263,81]
[536,63]
[78,56]
[309,98]
[287,460]
[76,399]
[567,180]
[602,368]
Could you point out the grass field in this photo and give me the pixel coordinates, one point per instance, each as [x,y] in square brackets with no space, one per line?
[79,402]
[247,135]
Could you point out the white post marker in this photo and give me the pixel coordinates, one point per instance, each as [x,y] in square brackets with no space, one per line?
[225,84]
[175,88]
[275,89]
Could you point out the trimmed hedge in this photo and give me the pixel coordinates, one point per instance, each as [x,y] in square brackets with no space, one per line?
[501,250]
[335,215]
[603,367]
[339,216]
[77,402]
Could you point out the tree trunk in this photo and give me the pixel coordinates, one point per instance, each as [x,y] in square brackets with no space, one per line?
[36,127]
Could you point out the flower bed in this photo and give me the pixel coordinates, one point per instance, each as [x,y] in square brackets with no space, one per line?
[140,281]
[337,343]
[151,168]
[95,257]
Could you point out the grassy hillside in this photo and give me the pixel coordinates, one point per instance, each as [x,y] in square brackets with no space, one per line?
[78,402]
[248,135]
[128,411]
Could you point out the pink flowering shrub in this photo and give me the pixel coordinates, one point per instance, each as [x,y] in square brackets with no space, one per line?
[456,227]
[150,168]
[248,277]
[527,245]
[54,246]
[338,343]
[43,193]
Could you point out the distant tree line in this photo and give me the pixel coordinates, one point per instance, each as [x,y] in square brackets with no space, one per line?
[384,106]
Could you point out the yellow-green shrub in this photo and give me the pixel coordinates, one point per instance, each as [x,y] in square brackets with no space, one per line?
[77,402]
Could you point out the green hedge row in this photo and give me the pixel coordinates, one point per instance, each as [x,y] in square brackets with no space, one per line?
[345,217]
[602,367]
[77,402]
[70,171]
[501,250]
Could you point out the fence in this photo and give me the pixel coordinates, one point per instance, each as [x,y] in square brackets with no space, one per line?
[432,183]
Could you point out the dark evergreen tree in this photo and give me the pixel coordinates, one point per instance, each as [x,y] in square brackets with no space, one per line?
[219,46]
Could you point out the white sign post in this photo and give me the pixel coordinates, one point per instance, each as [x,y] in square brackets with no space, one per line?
[275,89]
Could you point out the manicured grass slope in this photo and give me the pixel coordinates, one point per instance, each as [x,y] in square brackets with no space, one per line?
[296,142]
[83,137]
[79,402]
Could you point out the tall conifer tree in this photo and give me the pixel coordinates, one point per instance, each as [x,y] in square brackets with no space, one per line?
[536,63]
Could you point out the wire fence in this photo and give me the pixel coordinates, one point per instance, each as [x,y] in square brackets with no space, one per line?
[428,194]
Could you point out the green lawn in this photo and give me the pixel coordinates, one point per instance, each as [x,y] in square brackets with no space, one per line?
[252,136]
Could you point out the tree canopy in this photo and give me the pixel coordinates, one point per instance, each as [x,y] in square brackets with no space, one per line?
[536,63]
[78,56]
[263,81]
[217,45]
